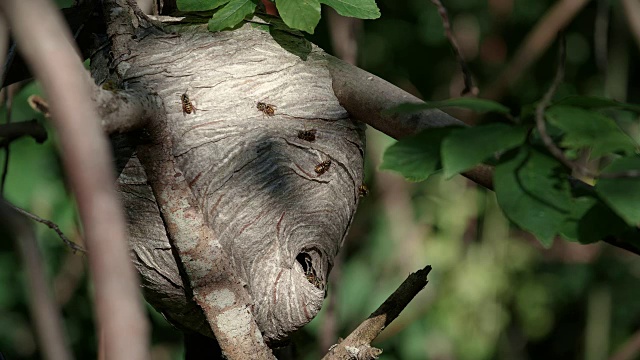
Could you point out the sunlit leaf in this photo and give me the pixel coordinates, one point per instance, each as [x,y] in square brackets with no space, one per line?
[464,148]
[361,9]
[589,129]
[533,193]
[594,102]
[232,14]
[199,5]
[622,193]
[416,157]
[591,220]
[300,14]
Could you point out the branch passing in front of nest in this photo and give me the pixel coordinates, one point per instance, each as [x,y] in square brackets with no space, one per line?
[358,344]
[208,268]
[122,111]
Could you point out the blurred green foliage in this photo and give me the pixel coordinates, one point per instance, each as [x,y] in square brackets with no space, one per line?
[494,292]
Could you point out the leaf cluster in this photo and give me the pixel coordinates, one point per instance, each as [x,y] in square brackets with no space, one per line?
[297,14]
[534,189]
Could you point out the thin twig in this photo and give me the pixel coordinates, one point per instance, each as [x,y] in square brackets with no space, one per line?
[548,141]
[541,125]
[44,310]
[7,100]
[357,344]
[53,226]
[466,72]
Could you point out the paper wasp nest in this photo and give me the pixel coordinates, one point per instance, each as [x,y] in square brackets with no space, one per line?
[272,158]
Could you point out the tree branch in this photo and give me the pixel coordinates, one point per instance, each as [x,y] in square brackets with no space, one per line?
[366,96]
[124,111]
[44,311]
[49,50]
[12,131]
[537,41]
[216,287]
[357,344]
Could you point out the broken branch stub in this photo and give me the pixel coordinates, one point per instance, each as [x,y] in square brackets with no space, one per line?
[279,220]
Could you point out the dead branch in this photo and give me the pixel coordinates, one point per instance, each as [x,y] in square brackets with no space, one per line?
[45,313]
[534,45]
[49,50]
[366,96]
[53,226]
[466,72]
[358,344]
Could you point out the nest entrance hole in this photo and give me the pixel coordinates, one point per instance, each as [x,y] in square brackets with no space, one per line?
[306,261]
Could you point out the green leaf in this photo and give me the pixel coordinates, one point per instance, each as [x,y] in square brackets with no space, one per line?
[465,148]
[585,128]
[570,230]
[361,9]
[416,157]
[232,14]
[199,5]
[594,102]
[300,14]
[533,193]
[598,222]
[478,105]
[622,194]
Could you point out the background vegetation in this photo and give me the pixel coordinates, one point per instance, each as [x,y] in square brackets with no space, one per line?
[494,291]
